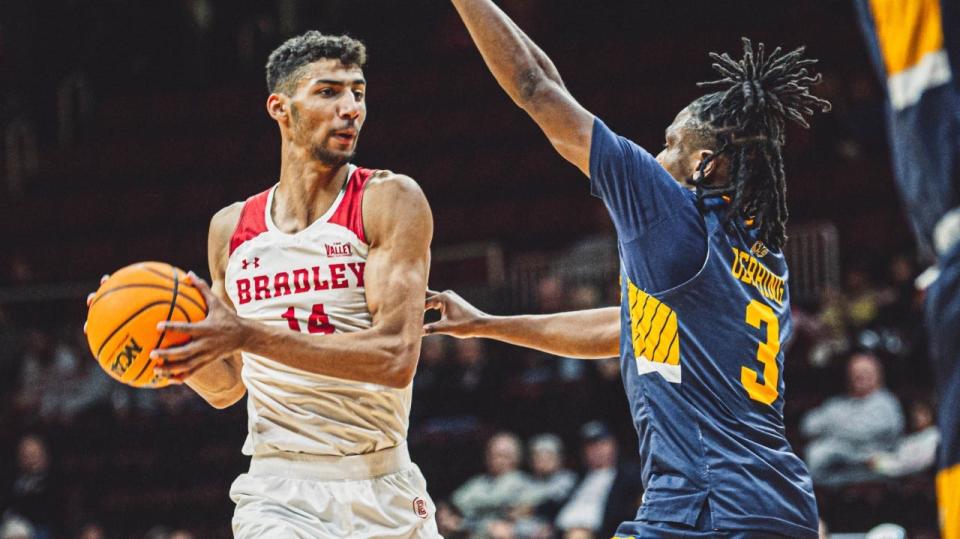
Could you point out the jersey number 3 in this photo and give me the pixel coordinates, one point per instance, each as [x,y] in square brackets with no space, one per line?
[758,313]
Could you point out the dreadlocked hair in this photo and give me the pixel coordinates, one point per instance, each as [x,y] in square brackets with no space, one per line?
[747,115]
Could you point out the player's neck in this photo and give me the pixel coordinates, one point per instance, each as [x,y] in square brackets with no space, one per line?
[307,189]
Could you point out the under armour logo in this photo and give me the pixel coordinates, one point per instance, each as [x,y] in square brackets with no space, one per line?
[256,262]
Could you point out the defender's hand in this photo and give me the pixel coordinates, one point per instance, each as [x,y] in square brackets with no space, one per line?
[458,317]
[90,297]
[222,333]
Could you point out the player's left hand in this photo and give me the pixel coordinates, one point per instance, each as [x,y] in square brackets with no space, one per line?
[222,333]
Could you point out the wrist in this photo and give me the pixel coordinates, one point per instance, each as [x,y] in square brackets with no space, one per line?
[247,331]
[486,325]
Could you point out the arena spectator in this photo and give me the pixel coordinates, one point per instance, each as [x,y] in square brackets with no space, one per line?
[886,531]
[608,494]
[551,483]
[843,314]
[15,527]
[72,383]
[431,366]
[915,452]
[92,530]
[550,294]
[550,486]
[492,495]
[35,362]
[473,381]
[450,521]
[844,432]
[35,492]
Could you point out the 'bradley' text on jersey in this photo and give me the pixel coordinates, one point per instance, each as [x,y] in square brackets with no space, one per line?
[300,280]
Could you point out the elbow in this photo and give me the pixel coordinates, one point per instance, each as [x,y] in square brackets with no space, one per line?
[402,365]
[530,85]
[227,398]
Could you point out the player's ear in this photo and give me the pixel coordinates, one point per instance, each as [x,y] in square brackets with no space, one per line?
[698,159]
[278,107]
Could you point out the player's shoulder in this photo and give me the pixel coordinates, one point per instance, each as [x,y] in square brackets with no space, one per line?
[226,219]
[389,188]
[390,181]
[393,201]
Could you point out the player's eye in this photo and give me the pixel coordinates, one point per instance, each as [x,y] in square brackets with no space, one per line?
[326,92]
[358,95]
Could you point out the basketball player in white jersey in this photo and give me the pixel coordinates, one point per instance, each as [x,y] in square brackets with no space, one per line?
[315,312]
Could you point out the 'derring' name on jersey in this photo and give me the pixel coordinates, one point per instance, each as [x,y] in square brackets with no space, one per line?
[299,281]
[748,269]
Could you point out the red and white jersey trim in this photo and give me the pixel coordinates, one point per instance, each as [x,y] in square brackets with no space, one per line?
[349,210]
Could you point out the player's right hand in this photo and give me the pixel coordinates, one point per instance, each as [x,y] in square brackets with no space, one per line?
[458,318]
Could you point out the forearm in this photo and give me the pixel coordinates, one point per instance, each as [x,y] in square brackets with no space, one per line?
[519,66]
[219,382]
[589,334]
[375,355]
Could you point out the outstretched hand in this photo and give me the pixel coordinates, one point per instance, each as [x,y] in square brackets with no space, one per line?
[222,333]
[92,295]
[458,317]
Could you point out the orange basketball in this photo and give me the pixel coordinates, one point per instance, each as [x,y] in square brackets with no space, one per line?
[123,317]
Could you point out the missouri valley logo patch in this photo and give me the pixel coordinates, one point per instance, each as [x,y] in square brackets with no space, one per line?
[338,249]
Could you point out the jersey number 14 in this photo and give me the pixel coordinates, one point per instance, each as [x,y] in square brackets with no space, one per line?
[757,314]
[318,322]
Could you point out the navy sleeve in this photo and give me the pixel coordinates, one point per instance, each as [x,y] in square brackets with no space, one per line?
[659,228]
[638,192]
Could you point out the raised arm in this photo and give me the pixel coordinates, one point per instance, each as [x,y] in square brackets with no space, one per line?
[399,227]
[530,79]
[219,381]
[587,334]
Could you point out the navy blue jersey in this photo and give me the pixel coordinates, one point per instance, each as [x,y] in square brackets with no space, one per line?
[701,360]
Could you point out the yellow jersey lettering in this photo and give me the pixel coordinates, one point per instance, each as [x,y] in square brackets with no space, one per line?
[737,269]
[745,261]
[751,271]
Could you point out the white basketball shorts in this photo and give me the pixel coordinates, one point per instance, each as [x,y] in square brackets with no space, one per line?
[293,495]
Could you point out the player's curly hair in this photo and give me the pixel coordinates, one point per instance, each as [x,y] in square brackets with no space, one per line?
[746,118]
[287,61]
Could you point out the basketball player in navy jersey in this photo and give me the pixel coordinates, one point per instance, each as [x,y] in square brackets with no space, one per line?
[315,313]
[705,300]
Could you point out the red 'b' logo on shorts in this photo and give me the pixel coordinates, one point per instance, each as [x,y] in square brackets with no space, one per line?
[420,508]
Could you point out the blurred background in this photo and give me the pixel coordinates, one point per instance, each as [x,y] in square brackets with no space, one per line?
[125,124]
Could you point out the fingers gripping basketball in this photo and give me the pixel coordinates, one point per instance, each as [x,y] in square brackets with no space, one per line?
[123,317]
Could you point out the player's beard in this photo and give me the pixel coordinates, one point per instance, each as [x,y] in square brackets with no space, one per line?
[320,152]
[329,157]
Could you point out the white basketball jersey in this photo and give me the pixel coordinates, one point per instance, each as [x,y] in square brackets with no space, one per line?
[311,282]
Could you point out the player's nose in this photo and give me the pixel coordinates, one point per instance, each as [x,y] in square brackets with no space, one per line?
[350,106]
